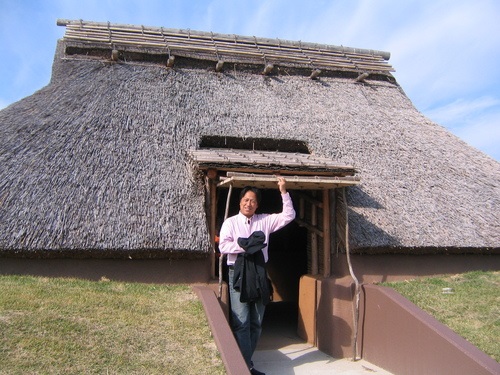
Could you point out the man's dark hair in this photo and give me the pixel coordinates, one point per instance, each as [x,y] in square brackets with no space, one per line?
[251,188]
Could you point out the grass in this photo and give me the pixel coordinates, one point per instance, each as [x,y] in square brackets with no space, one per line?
[56,326]
[472,310]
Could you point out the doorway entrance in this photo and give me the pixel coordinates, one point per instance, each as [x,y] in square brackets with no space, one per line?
[303,246]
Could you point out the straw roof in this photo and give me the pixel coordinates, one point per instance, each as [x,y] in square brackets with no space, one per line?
[98,162]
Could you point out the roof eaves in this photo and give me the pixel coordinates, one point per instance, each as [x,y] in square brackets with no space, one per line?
[269,162]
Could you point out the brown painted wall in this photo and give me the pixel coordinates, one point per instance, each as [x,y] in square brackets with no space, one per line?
[129,270]
[333,317]
[403,339]
[306,325]
[393,267]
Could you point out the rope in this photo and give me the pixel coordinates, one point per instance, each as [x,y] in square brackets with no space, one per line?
[356,282]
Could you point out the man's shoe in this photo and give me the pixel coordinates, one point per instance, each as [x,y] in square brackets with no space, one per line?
[253,371]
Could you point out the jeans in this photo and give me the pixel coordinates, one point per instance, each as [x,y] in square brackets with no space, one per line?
[246,321]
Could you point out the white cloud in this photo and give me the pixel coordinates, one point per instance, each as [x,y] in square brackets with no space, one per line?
[461,110]
[475,121]
[483,133]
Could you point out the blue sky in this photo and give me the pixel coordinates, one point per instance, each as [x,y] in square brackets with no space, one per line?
[446,52]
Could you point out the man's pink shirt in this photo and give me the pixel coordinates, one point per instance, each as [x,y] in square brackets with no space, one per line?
[239,225]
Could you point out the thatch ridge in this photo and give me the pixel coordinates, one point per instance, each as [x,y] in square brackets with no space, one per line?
[97,162]
[128,43]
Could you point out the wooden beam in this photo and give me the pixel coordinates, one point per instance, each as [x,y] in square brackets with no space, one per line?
[293,183]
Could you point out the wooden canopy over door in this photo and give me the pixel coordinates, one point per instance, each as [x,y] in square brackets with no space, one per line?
[227,168]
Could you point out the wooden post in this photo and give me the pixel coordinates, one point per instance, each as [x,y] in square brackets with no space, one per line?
[326,233]
[213,219]
[226,213]
[314,241]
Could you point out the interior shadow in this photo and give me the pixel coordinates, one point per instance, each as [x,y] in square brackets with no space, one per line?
[279,327]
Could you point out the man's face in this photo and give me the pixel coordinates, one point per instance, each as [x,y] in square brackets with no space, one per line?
[248,204]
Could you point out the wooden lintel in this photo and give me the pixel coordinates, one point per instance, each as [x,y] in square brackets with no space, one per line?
[293,183]
[249,169]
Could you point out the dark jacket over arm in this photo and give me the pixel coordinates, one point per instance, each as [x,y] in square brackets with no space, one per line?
[250,275]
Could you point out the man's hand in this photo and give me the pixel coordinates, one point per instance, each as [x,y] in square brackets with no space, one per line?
[282,185]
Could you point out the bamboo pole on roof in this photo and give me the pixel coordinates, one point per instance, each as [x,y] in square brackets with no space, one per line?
[262,42]
[301,57]
[286,55]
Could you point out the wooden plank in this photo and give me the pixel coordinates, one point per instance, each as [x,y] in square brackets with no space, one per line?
[221,331]
[293,182]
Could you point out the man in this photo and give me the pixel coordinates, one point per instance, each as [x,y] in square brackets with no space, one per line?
[247,228]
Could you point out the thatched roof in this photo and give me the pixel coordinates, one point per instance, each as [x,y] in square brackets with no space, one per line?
[97,163]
